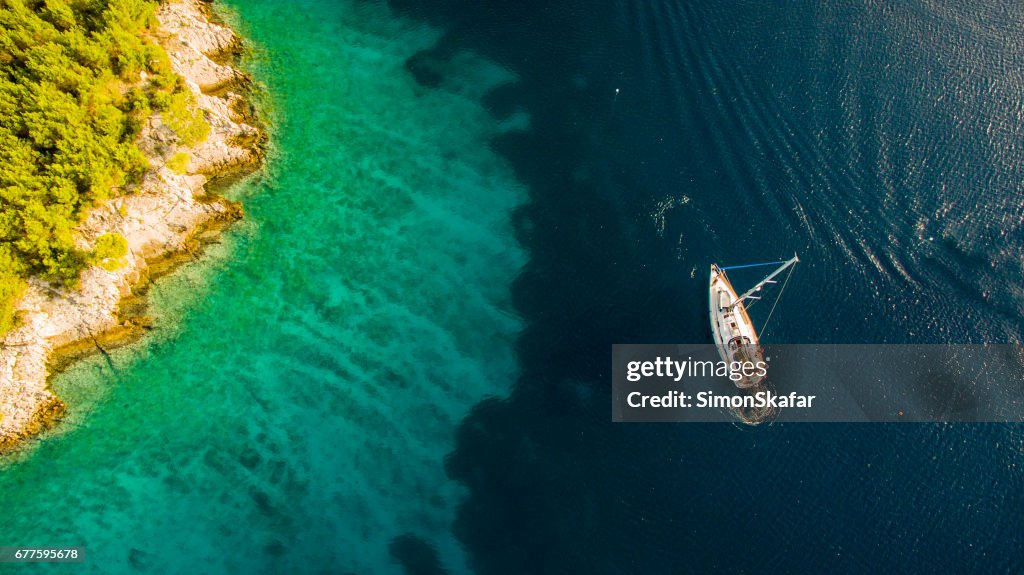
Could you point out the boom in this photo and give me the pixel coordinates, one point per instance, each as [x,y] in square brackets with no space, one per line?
[768,279]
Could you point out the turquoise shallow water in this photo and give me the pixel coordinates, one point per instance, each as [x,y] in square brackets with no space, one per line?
[293,409]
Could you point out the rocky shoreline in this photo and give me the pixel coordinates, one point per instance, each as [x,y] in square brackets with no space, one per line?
[165,221]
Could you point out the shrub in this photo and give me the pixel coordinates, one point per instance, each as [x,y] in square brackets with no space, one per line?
[179,163]
[187,121]
[11,288]
[10,291]
[110,251]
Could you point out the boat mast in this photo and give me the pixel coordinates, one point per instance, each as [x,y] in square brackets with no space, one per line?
[768,279]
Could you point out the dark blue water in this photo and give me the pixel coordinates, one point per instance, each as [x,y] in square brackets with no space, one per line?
[881,141]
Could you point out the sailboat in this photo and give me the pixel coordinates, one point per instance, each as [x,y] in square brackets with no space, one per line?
[733,332]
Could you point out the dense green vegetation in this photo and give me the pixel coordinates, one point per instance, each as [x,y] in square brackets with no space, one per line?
[77,80]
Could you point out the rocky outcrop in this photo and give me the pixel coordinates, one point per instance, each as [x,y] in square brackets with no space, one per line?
[162,220]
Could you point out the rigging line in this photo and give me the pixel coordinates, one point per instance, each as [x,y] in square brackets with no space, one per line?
[752,265]
[777,298]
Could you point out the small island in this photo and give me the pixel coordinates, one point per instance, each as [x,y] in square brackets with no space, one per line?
[113,118]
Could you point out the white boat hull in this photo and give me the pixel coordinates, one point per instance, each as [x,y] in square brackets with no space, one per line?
[733,332]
